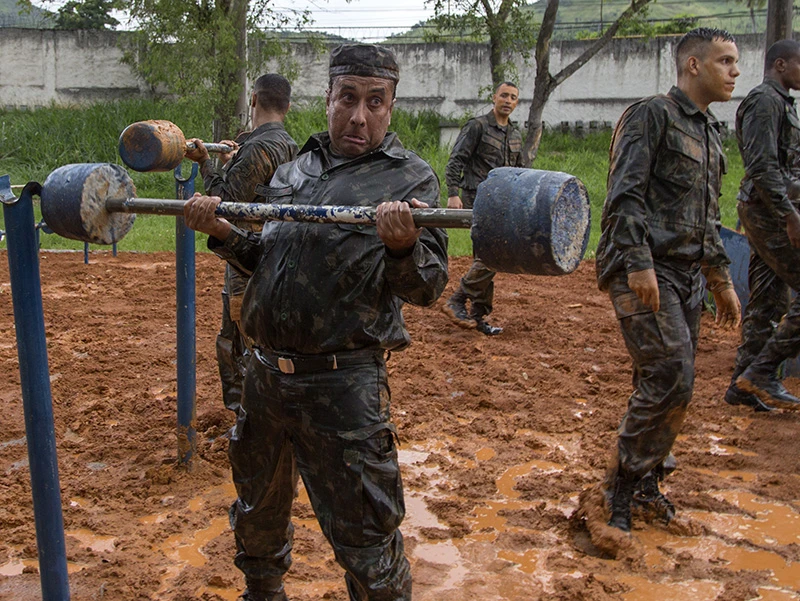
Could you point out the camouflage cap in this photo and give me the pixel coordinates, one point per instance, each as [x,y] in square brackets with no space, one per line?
[364,60]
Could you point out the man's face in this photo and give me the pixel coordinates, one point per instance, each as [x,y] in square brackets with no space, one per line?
[505,100]
[790,77]
[359,111]
[717,71]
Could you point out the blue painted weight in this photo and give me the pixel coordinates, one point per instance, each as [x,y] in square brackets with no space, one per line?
[531,221]
[74,202]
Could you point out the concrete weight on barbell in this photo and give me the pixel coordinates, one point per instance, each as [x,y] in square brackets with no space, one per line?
[524,221]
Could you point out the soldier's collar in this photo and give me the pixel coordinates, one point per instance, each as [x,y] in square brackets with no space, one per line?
[779,88]
[689,107]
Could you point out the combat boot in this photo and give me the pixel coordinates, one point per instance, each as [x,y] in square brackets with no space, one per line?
[648,498]
[621,500]
[736,396]
[456,309]
[262,590]
[483,326]
[760,379]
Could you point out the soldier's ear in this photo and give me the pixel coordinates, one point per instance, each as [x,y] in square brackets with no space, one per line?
[779,65]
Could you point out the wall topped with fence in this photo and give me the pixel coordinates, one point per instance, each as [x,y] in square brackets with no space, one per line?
[68,67]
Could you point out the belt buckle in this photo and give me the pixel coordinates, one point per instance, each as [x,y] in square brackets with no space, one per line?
[286,365]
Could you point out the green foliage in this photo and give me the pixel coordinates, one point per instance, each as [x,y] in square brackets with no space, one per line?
[182,46]
[507,24]
[34,143]
[87,14]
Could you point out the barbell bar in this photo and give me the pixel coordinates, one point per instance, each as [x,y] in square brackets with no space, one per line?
[157,145]
[523,221]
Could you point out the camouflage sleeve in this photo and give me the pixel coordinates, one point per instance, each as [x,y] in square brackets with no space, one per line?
[240,249]
[633,150]
[420,278]
[466,144]
[251,166]
[760,125]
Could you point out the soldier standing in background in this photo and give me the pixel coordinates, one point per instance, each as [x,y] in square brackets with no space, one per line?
[768,133]
[252,163]
[484,143]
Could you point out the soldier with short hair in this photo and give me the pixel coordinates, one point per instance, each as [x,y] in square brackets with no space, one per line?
[324,307]
[485,142]
[660,236]
[768,133]
[255,158]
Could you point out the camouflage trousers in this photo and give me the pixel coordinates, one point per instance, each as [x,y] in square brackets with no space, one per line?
[773,272]
[477,285]
[332,427]
[662,346]
[232,346]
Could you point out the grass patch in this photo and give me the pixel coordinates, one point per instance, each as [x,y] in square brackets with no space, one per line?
[34,143]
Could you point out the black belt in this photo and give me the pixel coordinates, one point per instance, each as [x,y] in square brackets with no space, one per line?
[303,364]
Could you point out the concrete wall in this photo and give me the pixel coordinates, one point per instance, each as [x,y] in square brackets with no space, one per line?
[37,67]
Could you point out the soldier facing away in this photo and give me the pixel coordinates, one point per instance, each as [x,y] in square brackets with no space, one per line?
[323,307]
[768,133]
[253,163]
[660,235]
[485,142]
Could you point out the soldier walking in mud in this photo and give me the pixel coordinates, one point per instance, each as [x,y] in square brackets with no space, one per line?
[323,307]
[768,133]
[254,163]
[485,142]
[660,235]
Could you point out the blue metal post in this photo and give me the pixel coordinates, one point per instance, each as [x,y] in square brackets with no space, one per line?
[185,291]
[26,292]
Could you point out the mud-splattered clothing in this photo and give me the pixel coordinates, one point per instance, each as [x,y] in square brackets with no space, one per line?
[768,134]
[325,301]
[481,146]
[259,154]
[661,213]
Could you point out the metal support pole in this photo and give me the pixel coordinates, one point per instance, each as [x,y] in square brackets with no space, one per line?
[26,293]
[186,344]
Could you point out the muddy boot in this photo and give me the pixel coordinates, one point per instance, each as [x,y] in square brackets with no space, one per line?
[262,590]
[483,326]
[648,498]
[456,309]
[736,396]
[621,500]
[760,378]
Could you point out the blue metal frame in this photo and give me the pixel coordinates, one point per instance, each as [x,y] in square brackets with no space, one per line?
[185,313]
[26,292]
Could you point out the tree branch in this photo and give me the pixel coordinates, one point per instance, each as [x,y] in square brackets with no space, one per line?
[587,54]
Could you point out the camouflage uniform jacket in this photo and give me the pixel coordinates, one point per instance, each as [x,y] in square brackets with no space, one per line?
[322,288]
[768,133]
[267,147]
[665,168]
[481,146]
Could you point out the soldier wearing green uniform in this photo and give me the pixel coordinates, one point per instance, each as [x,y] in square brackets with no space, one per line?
[257,156]
[485,142]
[768,133]
[323,308]
[660,236]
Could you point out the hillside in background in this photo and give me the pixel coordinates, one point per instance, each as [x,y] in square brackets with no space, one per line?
[583,18]
[11,15]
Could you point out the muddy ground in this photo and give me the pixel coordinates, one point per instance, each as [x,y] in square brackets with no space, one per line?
[499,437]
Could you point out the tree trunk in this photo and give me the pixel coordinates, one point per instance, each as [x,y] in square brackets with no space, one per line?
[535,125]
[496,61]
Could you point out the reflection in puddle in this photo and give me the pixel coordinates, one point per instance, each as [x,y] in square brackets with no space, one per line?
[15,567]
[729,474]
[98,544]
[718,449]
